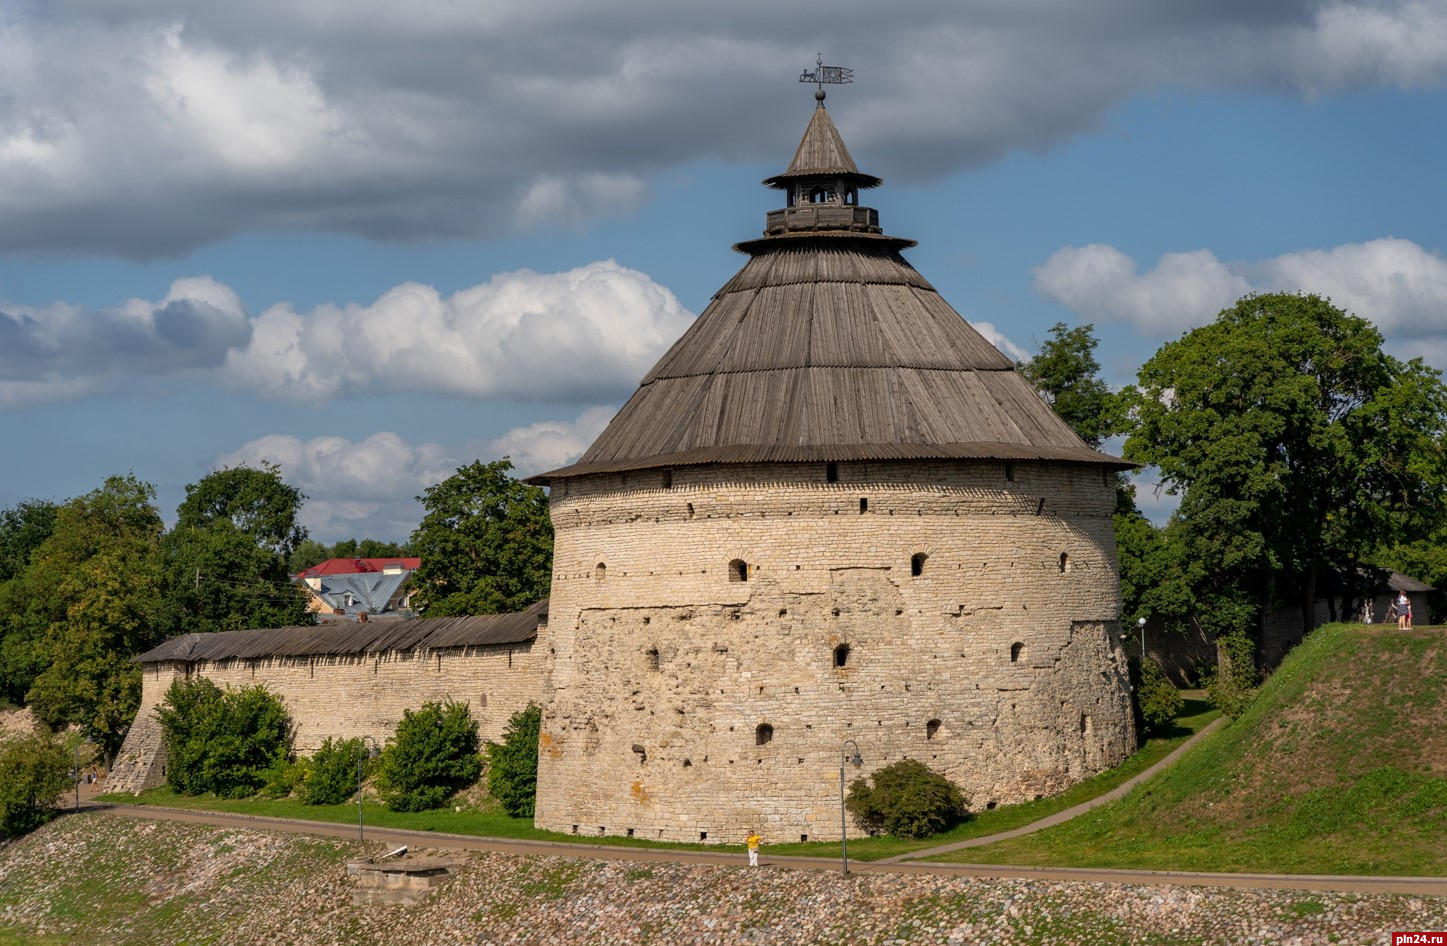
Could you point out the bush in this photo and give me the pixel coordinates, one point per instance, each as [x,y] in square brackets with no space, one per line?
[1159,701]
[34,770]
[228,742]
[907,800]
[1232,686]
[512,765]
[433,755]
[331,774]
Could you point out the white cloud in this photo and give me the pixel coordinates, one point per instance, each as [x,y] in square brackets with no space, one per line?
[997,338]
[549,444]
[562,337]
[354,489]
[153,126]
[1395,283]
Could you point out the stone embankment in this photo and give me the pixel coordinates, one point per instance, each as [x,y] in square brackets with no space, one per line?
[98,879]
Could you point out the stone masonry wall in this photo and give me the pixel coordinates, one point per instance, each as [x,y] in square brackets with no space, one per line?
[686,704]
[345,696]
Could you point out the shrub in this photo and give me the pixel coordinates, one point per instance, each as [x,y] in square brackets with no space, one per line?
[34,770]
[433,754]
[1159,701]
[331,774]
[228,742]
[1232,686]
[512,765]
[907,800]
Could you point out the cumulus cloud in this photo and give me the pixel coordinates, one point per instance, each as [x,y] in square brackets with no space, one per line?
[997,338]
[1396,283]
[563,337]
[365,488]
[191,122]
[549,444]
[62,351]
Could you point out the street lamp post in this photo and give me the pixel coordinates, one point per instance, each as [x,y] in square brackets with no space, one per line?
[368,750]
[1141,623]
[843,826]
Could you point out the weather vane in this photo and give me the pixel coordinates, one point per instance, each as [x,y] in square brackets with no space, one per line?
[822,75]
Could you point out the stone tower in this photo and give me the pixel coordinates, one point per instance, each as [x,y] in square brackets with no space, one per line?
[832,511]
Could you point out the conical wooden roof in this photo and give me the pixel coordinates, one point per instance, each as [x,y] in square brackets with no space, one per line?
[822,153]
[828,345]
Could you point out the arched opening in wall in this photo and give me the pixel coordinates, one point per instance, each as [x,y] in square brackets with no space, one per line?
[1010,470]
[1017,650]
[690,510]
[863,505]
[841,655]
[831,472]
[763,735]
[931,729]
[738,570]
[653,658]
[916,564]
[600,571]
[668,479]
[817,195]
[1064,562]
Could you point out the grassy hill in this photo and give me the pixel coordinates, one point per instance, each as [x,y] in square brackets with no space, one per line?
[1339,766]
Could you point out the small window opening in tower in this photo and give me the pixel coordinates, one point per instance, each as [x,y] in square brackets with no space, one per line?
[831,472]
[931,729]
[851,197]
[817,195]
[690,510]
[841,655]
[1064,562]
[600,571]
[668,479]
[1107,478]
[738,570]
[653,660]
[916,564]
[763,735]
[863,505]
[1010,470]
[1017,650]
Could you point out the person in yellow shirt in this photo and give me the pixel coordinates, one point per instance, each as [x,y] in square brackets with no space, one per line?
[753,842]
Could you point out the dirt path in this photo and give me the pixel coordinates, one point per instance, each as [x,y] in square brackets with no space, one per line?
[1430,886]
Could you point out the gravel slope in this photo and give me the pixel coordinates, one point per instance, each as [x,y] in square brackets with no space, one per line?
[97,879]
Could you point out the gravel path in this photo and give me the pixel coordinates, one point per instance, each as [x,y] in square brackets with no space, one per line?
[128,882]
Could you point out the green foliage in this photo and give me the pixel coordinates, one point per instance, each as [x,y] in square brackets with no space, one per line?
[1068,376]
[512,765]
[1233,683]
[255,502]
[433,755]
[85,602]
[226,742]
[486,543]
[23,528]
[1300,446]
[34,770]
[1158,700]
[284,779]
[907,800]
[331,774]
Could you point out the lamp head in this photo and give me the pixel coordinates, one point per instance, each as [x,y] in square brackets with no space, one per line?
[1141,622]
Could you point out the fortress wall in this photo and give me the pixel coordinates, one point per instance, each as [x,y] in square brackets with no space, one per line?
[346,696]
[999,665]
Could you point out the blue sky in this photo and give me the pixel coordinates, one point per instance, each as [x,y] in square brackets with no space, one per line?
[372,247]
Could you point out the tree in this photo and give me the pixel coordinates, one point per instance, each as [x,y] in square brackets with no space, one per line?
[1067,375]
[512,765]
[257,502]
[23,528]
[34,770]
[226,742]
[907,800]
[86,601]
[486,543]
[226,559]
[1299,447]
[433,755]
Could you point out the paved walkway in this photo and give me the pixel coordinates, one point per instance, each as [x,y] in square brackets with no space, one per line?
[1061,816]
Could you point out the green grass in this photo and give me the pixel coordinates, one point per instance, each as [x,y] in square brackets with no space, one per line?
[493,823]
[1335,768]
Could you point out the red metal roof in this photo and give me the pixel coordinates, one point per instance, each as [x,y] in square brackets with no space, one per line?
[358,566]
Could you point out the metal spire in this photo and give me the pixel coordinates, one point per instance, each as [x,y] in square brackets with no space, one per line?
[822,75]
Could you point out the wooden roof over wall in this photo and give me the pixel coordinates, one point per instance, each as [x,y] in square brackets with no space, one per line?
[354,638]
